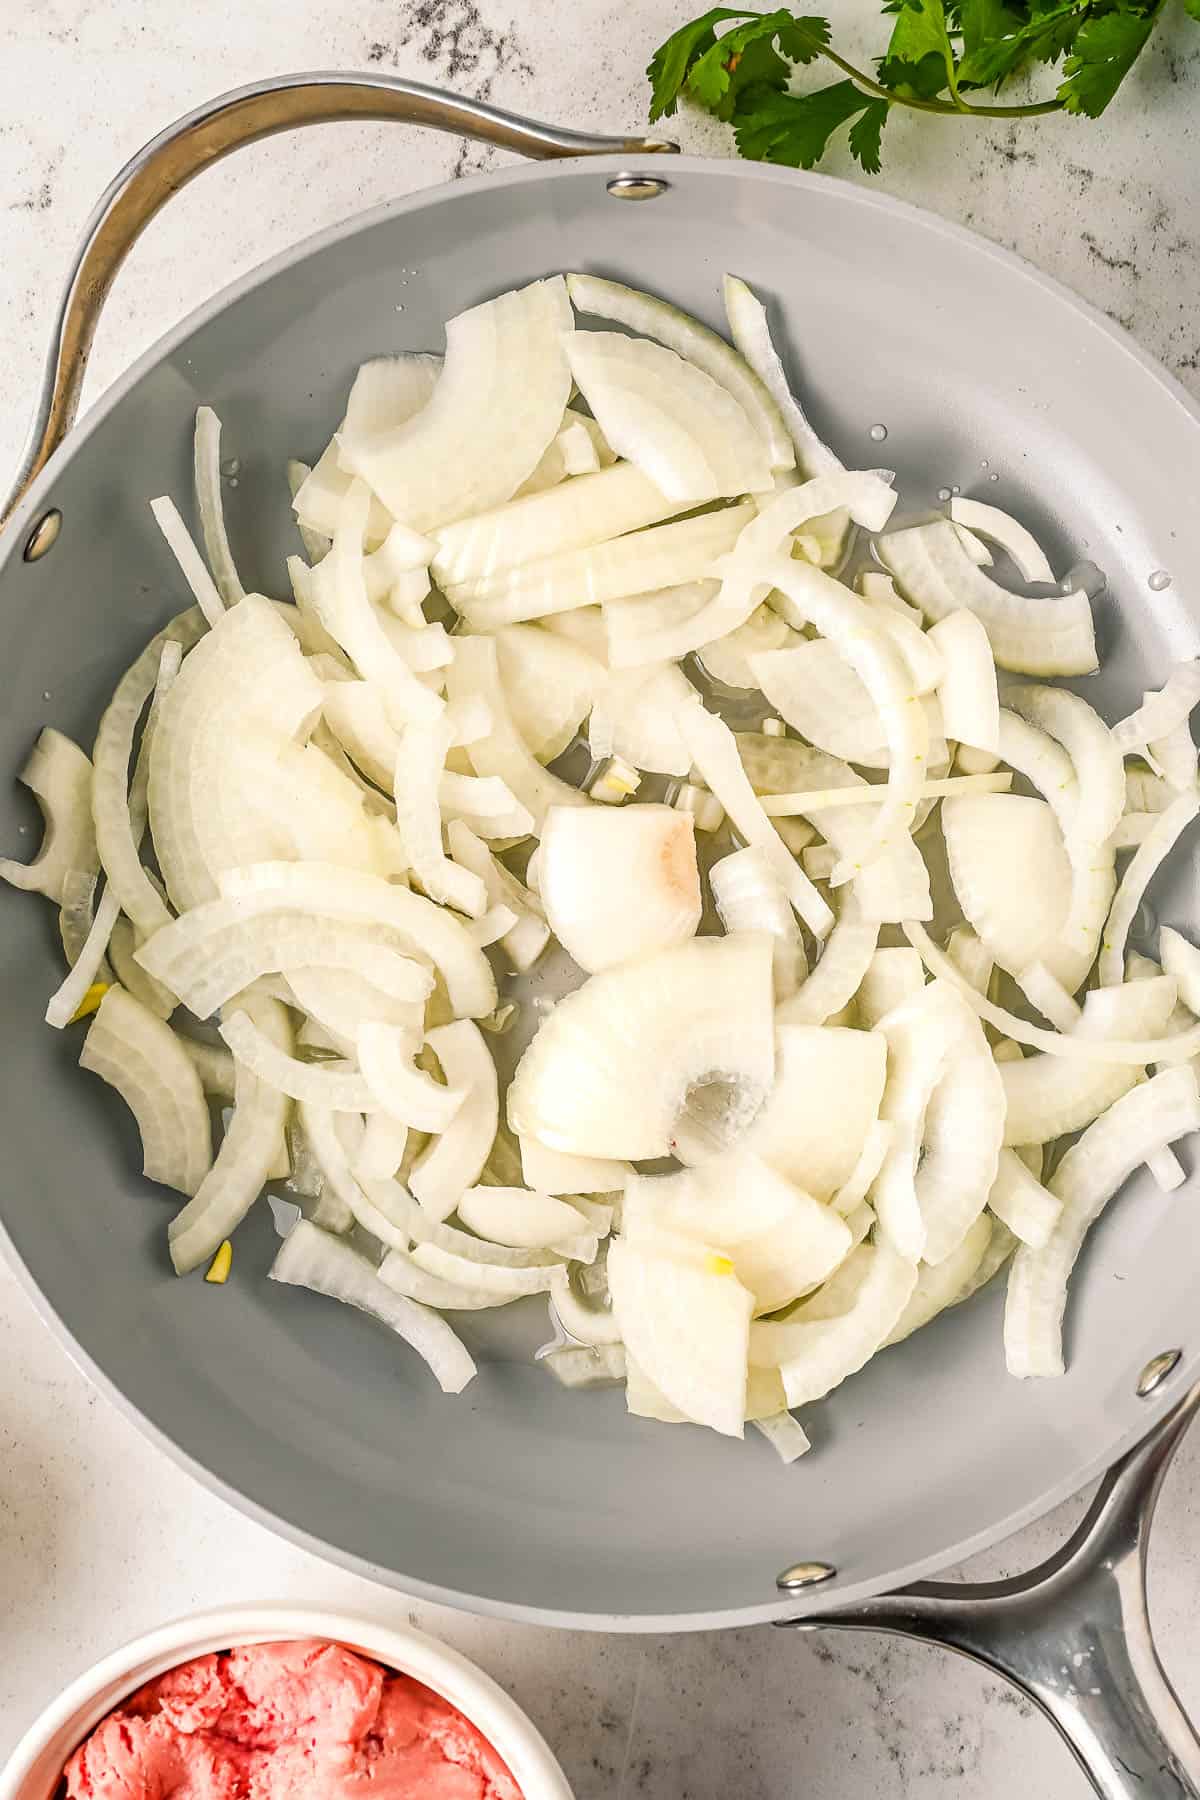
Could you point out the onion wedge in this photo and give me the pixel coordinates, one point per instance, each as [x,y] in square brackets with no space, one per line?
[1019,1201]
[751,333]
[395,1084]
[1162,712]
[816,1354]
[814,1123]
[504,752]
[447,1167]
[521,1217]
[1146,1120]
[209,504]
[549,684]
[593,861]
[988,836]
[960,1144]
[142,1058]
[921,1036]
[1001,528]
[1143,866]
[420,761]
[940,1285]
[750,897]
[967,689]
[59,776]
[312,1258]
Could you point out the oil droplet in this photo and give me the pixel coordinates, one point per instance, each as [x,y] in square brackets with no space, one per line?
[943,493]
[956,490]
[877,433]
[45,693]
[984,463]
[993,478]
[231,467]
[1158,581]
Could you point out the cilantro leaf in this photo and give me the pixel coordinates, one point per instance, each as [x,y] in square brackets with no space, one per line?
[802,40]
[1192,9]
[923,80]
[744,57]
[919,53]
[1045,37]
[1104,51]
[795,129]
[668,68]
[985,20]
[866,133]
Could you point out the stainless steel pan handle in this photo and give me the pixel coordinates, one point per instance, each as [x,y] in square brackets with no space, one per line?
[1074,1634]
[203,137]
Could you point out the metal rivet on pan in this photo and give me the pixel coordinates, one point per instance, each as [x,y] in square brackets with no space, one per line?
[44,535]
[803,1575]
[637,187]
[1156,1371]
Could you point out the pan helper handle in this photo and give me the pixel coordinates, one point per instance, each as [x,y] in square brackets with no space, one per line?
[243,116]
[1074,1634]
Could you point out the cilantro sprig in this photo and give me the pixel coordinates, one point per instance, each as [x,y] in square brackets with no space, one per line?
[940,52]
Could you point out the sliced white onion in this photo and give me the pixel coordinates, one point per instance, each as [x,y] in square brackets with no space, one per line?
[816,1355]
[210,506]
[988,837]
[727,660]
[556,1172]
[786,1436]
[497,404]
[970,955]
[247,1156]
[892,977]
[357,715]
[939,1285]
[380,1149]
[849,1198]
[967,691]
[524,943]
[388,391]
[508,1283]
[961,1141]
[639,563]
[633,718]
[1048,996]
[749,896]
[611,1069]
[504,753]
[420,761]
[549,684]
[1161,712]
[397,1086]
[1181,960]
[67,998]
[520,1216]
[1032,637]
[314,1259]
[992,522]
[191,564]
[1176,757]
[592,861]
[822,800]
[142,1058]
[1131,888]
[404,1276]
[320,497]
[685,1319]
[680,427]
[335,1087]
[837,977]
[1020,1201]
[751,333]
[920,1035]
[213,1064]
[447,1167]
[665,323]
[353,894]
[1099,798]
[586,1365]
[814,688]
[714,750]
[1147,1119]
[826,1096]
[59,776]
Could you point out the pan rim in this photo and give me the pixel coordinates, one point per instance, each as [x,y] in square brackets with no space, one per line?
[835,1594]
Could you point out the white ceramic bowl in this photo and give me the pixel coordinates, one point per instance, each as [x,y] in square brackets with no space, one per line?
[36,1765]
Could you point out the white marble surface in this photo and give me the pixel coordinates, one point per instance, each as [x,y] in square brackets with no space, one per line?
[101,1536]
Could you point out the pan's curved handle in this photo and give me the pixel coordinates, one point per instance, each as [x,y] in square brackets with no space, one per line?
[1074,1633]
[200,138]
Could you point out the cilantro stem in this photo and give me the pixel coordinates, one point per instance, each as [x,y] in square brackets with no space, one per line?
[962,109]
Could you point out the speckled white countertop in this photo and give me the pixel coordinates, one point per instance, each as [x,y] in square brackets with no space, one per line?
[100,1535]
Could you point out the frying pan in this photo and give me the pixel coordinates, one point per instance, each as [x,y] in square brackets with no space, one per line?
[520,1498]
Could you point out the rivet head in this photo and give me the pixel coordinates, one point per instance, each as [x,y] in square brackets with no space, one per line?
[804,1575]
[637,187]
[1156,1371]
[44,535]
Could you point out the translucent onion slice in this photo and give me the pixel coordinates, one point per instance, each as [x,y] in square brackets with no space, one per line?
[670,419]
[970,955]
[921,1036]
[1147,1119]
[715,752]
[575,516]
[685,1319]
[586,1365]
[844,960]
[633,717]
[1142,868]
[320,1128]
[520,1216]
[727,659]
[67,998]
[821,800]
[988,837]
[749,896]
[504,753]
[556,1172]
[142,1058]
[509,1284]
[1176,756]
[213,1064]
[816,1355]
[751,333]
[1019,1201]
[939,1285]
[892,977]
[397,1086]
[549,684]
[826,1096]
[380,1149]
[420,761]
[1099,798]
[1031,637]
[639,563]
[814,688]
[578,448]
[316,543]
[612,1068]
[357,715]
[588,1324]
[448,1166]
[59,776]
[970,705]
[677,330]
[1181,960]
[786,1436]
[524,943]
[210,506]
[247,1156]
[388,391]
[1047,995]
[339,597]
[960,1143]
[497,404]
[402,1216]
[592,861]
[353,894]
[314,1259]
[406,1277]
[1161,712]
[814,598]
[320,498]
[893,888]
[1001,528]
[337,1002]
[191,564]
[207,956]
[849,1198]
[337,1088]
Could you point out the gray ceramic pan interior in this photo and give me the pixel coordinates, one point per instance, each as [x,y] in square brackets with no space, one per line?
[518,1497]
